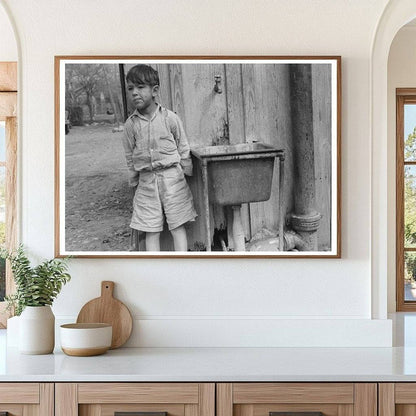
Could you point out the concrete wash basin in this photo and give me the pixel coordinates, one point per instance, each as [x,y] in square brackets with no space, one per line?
[240,173]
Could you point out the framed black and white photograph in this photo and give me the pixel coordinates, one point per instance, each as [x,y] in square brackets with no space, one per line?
[198,156]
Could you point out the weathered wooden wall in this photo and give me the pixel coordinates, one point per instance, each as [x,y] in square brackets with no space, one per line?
[254,106]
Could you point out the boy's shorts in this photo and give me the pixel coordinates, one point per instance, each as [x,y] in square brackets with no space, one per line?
[161,192]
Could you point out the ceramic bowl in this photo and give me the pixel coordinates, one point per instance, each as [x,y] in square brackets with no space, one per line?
[83,340]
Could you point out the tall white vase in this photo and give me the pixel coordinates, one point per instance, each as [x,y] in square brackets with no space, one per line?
[37,330]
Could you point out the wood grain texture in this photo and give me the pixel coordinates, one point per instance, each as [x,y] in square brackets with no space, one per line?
[107,309]
[27,393]
[66,399]
[11,204]
[405,410]
[265,409]
[191,410]
[405,393]
[386,399]
[8,105]
[365,399]
[207,399]
[11,195]
[224,399]
[322,113]
[400,304]
[47,399]
[138,393]
[235,104]
[8,76]
[346,410]
[171,409]
[31,410]
[252,393]
[13,409]
[91,410]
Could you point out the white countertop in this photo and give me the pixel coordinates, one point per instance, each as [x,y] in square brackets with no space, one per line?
[213,364]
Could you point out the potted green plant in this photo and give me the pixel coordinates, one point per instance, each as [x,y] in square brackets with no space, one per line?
[36,289]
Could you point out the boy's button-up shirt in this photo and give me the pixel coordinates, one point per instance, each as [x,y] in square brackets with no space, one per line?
[155,143]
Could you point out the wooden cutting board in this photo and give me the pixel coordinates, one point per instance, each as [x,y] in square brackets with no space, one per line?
[107,309]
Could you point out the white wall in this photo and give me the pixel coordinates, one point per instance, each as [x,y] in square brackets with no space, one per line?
[8,47]
[401,74]
[179,302]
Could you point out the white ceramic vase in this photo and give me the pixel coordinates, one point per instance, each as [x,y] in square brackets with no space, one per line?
[37,330]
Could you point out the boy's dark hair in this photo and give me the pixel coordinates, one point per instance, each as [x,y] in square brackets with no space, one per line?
[143,74]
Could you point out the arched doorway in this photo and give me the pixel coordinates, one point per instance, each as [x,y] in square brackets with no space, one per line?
[396,14]
[8,149]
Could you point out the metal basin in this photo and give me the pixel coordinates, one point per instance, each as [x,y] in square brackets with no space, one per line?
[240,173]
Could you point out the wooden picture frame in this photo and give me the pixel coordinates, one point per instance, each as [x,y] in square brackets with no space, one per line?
[264,134]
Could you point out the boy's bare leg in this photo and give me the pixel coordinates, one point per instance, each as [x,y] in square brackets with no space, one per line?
[179,238]
[152,241]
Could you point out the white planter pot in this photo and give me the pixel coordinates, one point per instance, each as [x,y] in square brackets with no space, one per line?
[13,331]
[37,330]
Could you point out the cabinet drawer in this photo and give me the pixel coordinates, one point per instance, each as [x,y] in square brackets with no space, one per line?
[107,399]
[296,399]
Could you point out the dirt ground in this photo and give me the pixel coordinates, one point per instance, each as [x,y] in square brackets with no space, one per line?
[98,200]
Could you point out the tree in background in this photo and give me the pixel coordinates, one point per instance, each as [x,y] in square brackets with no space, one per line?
[86,83]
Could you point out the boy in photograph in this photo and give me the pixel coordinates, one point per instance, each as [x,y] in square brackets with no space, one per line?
[158,156]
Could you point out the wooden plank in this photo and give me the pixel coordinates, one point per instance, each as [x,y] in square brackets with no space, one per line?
[405,410]
[66,399]
[405,393]
[8,105]
[205,111]
[293,393]
[8,76]
[190,410]
[165,89]
[235,103]
[47,399]
[235,109]
[91,410]
[31,410]
[27,393]
[138,393]
[267,119]
[406,91]
[11,204]
[11,195]
[365,403]
[246,410]
[13,409]
[400,204]
[386,399]
[224,399]
[176,85]
[321,109]
[207,399]
[345,410]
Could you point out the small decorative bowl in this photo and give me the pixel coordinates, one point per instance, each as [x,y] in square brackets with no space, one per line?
[84,340]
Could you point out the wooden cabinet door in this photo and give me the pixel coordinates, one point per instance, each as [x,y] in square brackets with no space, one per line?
[27,399]
[297,399]
[397,399]
[106,399]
